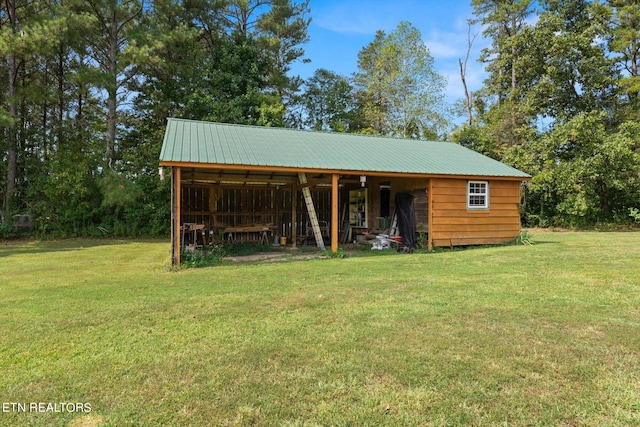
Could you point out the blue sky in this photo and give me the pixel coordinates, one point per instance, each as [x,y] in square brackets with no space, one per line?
[341,28]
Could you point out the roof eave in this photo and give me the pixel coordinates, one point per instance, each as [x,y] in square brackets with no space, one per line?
[263,168]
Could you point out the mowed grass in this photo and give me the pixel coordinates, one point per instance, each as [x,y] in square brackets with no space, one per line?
[547,334]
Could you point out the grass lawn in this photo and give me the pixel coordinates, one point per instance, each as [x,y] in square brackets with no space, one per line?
[547,334]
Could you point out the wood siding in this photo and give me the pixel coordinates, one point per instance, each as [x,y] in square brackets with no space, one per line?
[218,207]
[418,189]
[455,225]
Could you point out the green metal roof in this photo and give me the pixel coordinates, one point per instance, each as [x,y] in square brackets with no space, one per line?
[188,141]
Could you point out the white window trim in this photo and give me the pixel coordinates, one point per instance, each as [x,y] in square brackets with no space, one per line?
[484,206]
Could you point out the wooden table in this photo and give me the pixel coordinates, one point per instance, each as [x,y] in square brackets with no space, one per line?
[193,227]
[264,229]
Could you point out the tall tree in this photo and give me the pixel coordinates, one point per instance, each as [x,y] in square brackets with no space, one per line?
[27,30]
[280,29]
[329,102]
[575,73]
[281,33]
[624,40]
[504,21]
[369,82]
[12,110]
[403,94]
[112,44]
[468,95]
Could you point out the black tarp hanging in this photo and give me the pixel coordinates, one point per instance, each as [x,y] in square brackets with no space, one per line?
[406,221]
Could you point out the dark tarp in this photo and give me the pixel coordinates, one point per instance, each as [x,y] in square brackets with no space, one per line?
[406,221]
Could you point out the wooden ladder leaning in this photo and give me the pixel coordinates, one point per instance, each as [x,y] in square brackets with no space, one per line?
[313,218]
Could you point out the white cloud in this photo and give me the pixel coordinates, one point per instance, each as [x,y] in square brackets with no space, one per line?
[474,78]
[445,45]
[443,26]
[351,18]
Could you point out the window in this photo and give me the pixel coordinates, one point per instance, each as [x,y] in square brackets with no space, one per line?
[478,195]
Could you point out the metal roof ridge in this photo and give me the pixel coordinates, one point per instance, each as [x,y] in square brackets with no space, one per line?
[308,131]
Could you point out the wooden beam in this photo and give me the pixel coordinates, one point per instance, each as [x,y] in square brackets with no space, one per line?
[226,181]
[338,171]
[334,212]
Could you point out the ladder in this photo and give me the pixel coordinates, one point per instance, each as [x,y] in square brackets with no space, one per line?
[393,227]
[313,218]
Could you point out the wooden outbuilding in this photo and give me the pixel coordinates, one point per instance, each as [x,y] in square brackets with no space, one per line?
[237,182]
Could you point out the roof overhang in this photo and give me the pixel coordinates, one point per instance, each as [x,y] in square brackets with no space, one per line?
[292,171]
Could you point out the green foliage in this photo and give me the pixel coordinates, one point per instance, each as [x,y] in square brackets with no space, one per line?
[199,60]
[586,173]
[561,100]
[422,240]
[477,138]
[117,191]
[624,42]
[552,107]
[215,253]
[400,91]
[524,238]
[339,254]
[329,103]
[207,257]
[8,231]
[634,213]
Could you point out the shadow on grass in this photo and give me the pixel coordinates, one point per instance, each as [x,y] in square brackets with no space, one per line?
[31,247]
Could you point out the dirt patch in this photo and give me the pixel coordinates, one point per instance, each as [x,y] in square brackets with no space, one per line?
[277,256]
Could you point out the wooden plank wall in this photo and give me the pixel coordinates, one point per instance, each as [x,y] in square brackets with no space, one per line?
[218,207]
[455,225]
[418,189]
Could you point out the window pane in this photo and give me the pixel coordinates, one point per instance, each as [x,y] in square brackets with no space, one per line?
[477,196]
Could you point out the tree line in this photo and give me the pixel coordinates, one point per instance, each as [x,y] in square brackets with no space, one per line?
[90,83]
[561,103]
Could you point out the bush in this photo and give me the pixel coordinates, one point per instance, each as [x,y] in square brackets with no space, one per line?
[8,231]
[206,257]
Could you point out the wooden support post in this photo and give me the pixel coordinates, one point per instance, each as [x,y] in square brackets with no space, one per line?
[294,214]
[430,215]
[176,217]
[277,219]
[334,212]
[213,191]
[174,236]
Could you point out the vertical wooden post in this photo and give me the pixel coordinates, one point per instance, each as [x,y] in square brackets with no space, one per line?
[430,215]
[177,215]
[212,208]
[334,212]
[173,217]
[277,220]
[294,214]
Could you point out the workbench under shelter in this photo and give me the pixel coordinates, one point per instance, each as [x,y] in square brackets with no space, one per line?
[235,182]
